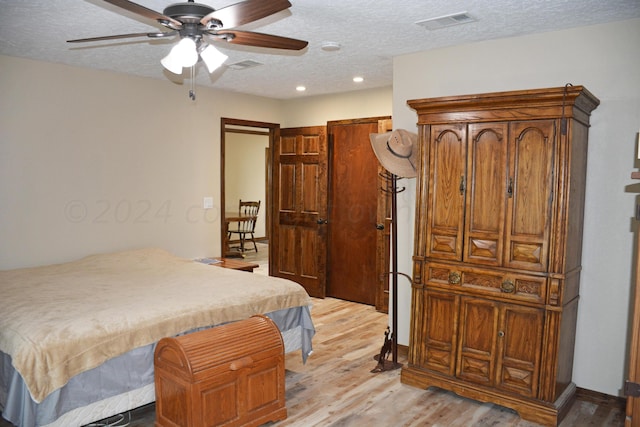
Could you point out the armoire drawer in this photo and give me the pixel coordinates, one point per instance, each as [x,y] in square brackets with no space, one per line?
[478,281]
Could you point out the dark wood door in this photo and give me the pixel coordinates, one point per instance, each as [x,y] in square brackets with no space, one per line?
[298,241]
[353,205]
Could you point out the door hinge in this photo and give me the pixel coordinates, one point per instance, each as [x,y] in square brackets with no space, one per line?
[631,389]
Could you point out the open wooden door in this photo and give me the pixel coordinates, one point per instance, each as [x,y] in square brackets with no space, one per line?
[298,249]
[354,187]
[632,385]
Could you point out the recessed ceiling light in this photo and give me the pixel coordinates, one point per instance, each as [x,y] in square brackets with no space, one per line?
[358,79]
[301,88]
[330,46]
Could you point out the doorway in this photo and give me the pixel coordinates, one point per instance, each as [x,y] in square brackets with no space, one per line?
[245,173]
[304,196]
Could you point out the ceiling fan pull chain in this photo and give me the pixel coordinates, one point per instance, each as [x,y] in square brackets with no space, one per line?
[192,91]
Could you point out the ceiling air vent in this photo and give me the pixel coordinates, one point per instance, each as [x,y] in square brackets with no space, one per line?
[446,21]
[243,65]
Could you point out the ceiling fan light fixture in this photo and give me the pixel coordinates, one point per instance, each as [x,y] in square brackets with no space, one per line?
[182,55]
[171,64]
[212,58]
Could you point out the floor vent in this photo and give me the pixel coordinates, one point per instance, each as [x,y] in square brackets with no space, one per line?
[446,21]
[243,65]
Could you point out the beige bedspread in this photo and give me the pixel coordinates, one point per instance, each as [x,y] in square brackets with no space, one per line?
[57,321]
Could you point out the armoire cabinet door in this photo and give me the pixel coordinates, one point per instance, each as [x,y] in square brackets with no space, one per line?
[447,183]
[499,345]
[439,332]
[530,193]
[477,342]
[486,193]
[519,349]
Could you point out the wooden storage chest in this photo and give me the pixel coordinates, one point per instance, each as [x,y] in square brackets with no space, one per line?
[230,375]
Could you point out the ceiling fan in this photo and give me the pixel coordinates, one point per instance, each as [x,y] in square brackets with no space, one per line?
[193,21]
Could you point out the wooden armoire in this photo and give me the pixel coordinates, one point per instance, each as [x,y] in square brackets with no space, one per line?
[498,245]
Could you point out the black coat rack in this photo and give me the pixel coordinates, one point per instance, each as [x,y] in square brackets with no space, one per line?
[390,343]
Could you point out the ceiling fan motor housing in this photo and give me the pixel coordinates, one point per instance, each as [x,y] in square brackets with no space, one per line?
[188,12]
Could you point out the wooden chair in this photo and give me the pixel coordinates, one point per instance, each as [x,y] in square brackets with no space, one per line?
[246,228]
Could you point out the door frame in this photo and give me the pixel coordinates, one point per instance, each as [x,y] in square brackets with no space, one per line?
[229,125]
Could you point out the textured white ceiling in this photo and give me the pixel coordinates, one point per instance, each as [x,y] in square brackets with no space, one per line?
[371,33]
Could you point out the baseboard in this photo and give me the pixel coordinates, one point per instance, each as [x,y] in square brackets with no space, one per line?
[601,399]
[403,350]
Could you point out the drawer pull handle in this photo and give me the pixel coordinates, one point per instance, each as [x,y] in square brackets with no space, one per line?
[501,334]
[454,277]
[507,287]
[245,362]
[510,188]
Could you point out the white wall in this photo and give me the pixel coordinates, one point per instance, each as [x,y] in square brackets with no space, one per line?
[318,110]
[244,158]
[606,60]
[94,161]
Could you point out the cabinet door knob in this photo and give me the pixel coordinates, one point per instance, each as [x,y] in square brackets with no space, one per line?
[501,334]
[507,286]
[454,277]
[379,226]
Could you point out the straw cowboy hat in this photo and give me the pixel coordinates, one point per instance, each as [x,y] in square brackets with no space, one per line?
[397,151]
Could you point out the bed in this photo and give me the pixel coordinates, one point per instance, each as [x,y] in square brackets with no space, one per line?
[77,339]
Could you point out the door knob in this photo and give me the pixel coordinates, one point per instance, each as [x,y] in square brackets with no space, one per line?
[379,226]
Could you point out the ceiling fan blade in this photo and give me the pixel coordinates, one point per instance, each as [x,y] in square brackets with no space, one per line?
[244,12]
[123,36]
[249,38]
[147,13]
